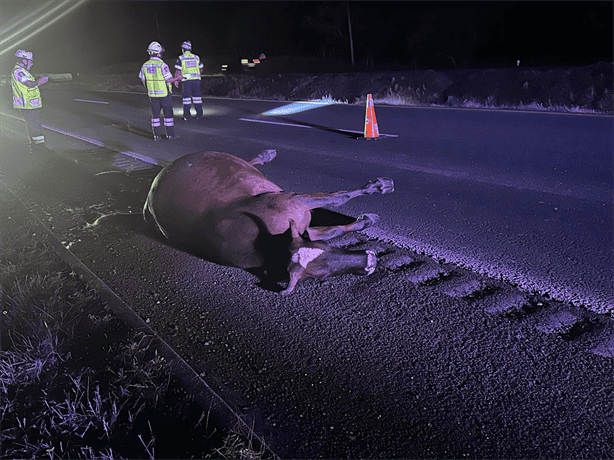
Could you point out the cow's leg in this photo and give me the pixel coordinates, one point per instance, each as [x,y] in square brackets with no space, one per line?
[263,158]
[295,276]
[327,233]
[381,185]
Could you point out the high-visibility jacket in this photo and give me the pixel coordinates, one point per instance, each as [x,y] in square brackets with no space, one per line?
[24,97]
[189,64]
[154,74]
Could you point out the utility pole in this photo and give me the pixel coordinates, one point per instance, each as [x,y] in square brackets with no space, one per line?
[350,31]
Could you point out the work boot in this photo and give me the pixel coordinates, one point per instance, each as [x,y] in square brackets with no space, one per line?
[199,111]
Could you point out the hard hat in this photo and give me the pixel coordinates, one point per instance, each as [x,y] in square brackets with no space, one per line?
[24,54]
[187,45]
[155,48]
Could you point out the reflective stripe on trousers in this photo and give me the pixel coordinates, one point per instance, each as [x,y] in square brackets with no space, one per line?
[165,105]
[31,117]
[195,100]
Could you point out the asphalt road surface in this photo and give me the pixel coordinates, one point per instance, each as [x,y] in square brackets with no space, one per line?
[425,358]
[522,196]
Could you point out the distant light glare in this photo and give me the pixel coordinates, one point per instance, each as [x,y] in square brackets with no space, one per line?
[296,107]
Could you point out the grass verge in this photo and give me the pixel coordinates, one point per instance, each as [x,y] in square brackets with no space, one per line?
[75,382]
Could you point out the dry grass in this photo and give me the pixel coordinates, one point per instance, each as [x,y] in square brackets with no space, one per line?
[238,444]
[74,381]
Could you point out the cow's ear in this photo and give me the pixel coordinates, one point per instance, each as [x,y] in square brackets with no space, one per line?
[293,230]
[295,233]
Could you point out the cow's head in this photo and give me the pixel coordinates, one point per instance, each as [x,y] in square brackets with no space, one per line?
[318,259]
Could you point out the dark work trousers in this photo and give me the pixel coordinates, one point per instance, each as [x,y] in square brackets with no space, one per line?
[165,104]
[33,125]
[191,93]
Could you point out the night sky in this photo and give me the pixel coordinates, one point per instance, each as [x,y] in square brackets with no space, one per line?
[409,34]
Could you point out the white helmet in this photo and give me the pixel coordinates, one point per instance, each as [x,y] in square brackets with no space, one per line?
[155,48]
[24,54]
[187,45]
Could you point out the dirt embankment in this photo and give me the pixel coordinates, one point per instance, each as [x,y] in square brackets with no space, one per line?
[587,88]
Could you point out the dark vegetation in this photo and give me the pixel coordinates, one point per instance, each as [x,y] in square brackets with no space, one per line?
[585,89]
[75,382]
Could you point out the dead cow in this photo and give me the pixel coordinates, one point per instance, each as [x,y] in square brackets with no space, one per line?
[224,210]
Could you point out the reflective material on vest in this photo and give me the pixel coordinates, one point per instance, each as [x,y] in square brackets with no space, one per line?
[154,79]
[24,97]
[190,66]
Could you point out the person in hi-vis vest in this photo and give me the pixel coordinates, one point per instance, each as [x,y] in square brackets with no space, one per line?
[27,97]
[189,65]
[157,78]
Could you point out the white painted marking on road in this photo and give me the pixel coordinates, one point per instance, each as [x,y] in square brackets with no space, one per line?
[134,155]
[306,126]
[275,123]
[93,102]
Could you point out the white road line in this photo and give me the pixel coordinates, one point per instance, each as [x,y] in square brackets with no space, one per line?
[134,155]
[93,102]
[275,123]
[12,116]
[310,127]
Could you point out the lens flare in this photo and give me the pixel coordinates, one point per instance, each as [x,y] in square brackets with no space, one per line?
[49,18]
[14,23]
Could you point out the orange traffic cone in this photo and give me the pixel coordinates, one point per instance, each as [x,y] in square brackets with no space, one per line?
[371,129]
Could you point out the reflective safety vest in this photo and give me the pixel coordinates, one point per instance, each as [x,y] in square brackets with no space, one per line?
[190,66]
[24,97]
[154,78]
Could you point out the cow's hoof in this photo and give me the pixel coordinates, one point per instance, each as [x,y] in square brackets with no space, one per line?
[265,157]
[366,220]
[147,216]
[371,262]
[382,185]
[385,185]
